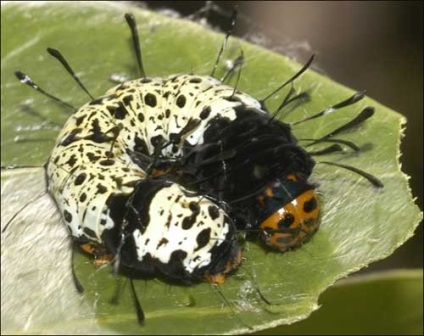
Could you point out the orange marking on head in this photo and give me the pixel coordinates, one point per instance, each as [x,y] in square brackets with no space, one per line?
[269,192]
[293,224]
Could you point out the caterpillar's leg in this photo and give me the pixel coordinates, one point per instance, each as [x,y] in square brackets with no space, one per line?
[100,254]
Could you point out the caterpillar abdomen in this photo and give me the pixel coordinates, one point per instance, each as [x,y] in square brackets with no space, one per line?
[98,158]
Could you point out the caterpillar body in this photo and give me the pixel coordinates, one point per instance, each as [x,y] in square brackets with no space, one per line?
[98,172]
[159,175]
[98,178]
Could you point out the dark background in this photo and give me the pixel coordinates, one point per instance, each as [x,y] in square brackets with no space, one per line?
[372,45]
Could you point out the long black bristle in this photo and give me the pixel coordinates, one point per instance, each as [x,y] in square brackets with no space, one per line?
[136,42]
[25,79]
[56,54]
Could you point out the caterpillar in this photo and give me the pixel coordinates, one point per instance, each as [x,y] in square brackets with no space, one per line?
[160,174]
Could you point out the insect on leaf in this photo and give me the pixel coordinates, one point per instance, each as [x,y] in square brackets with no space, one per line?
[360,224]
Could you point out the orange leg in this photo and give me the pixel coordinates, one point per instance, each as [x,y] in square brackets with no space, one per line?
[220,278]
[101,256]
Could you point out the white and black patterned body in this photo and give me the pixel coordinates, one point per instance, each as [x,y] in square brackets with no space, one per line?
[99,173]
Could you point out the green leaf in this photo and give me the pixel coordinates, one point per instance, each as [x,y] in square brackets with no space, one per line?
[386,303]
[359,225]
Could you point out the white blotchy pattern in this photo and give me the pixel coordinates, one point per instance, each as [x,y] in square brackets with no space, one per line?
[166,234]
[90,161]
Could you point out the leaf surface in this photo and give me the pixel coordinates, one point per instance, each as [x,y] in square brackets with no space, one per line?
[360,224]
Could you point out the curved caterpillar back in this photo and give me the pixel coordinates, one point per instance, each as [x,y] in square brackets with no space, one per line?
[101,162]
